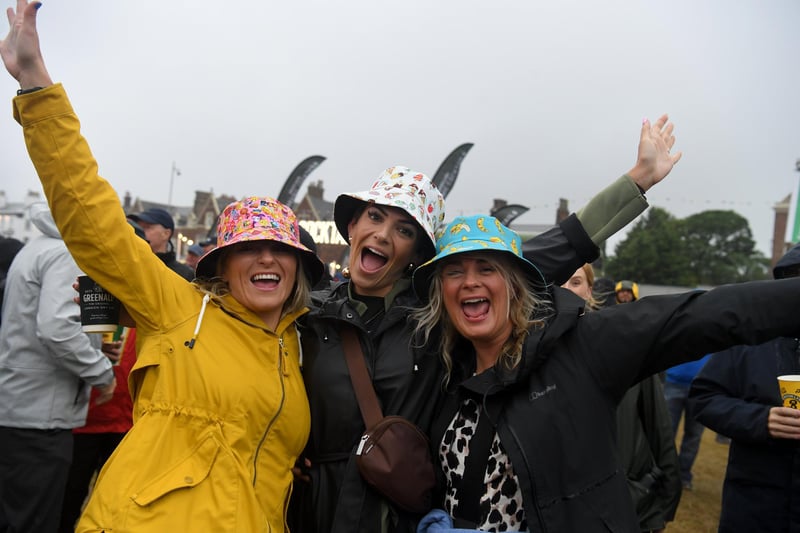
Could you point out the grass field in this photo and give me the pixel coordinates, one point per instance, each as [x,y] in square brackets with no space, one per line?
[698,511]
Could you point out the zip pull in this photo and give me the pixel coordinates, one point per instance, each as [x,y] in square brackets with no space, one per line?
[364,439]
[282,355]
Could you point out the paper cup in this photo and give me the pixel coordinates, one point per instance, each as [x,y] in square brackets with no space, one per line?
[790,390]
[99,308]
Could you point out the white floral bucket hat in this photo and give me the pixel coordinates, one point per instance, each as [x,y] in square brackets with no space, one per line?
[401,187]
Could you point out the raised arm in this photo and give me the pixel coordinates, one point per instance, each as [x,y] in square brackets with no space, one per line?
[559,251]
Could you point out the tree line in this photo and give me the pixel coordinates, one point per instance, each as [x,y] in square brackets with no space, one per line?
[708,248]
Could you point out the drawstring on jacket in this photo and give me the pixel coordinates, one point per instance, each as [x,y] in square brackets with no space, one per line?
[190,343]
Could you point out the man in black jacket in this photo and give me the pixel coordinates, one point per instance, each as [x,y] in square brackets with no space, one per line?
[158,227]
[736,395]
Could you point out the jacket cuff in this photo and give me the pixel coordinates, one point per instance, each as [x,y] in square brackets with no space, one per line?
[612,209]
[579,239]
[32,107]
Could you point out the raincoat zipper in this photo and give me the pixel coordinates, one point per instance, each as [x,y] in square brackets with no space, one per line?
[277,411]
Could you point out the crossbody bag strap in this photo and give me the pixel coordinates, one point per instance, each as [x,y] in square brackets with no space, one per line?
[362,383]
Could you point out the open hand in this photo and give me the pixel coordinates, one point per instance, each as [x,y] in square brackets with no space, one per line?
[20,50]
[655,158]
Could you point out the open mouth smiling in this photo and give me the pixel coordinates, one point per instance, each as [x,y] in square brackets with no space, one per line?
[372,260]
[475,308]
[265,281]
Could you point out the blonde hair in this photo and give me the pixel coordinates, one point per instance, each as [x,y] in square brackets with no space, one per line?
[298,299]
[523,308]
[592,303]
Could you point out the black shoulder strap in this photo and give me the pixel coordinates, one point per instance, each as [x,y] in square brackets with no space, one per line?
[472,486]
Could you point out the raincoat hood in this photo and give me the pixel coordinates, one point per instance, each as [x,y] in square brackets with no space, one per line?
[40,216]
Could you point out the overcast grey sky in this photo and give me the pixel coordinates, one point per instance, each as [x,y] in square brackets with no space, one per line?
[551,93]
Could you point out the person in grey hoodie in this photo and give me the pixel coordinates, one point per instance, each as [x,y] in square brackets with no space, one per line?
[47,368]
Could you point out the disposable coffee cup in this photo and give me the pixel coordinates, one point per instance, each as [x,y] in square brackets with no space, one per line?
[99,308]
[790,390]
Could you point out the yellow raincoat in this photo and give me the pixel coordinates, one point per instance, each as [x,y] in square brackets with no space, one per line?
[217,427]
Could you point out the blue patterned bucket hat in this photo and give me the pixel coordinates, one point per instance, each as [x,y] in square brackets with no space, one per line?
[400,187]
[479,233]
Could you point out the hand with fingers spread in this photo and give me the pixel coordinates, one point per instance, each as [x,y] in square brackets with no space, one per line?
[654,160]
[20,50]
[784,423]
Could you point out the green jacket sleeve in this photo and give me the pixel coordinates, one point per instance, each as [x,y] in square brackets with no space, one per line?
[612,209]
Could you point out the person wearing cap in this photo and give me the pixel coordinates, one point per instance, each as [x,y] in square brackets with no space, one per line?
[159,226]
[391,229]
[220,408]
[626,291]
[193,255]
[525,434]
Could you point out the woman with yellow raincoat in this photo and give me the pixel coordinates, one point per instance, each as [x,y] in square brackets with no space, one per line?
[220,409]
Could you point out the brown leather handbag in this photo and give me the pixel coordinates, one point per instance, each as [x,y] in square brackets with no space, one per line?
[393,455]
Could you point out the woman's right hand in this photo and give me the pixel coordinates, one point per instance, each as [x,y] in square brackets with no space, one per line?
[20,50]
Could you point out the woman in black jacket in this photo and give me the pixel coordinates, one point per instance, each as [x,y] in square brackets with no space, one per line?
[525,433]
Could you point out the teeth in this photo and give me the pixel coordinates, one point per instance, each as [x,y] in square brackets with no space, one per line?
[376,252]
[267,277]
[474,301]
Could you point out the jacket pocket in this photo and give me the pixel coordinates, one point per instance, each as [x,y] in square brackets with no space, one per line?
[187,473]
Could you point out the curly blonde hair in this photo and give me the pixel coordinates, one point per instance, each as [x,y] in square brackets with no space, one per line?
[526,310]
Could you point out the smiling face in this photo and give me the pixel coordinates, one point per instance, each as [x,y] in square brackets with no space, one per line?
[383,241]
[475,295]
[261,276]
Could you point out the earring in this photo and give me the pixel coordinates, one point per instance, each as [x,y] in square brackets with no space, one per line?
[346,272]
[410,268]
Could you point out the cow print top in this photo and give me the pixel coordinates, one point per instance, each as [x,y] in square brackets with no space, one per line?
[501,506]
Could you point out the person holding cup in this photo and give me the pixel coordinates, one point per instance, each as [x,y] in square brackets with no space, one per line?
[525,434]
[220,409]
[48,367]
[738,394]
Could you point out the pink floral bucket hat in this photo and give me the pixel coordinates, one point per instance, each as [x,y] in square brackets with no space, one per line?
[259,218]
[401,187]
